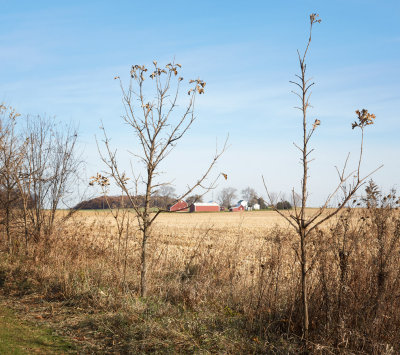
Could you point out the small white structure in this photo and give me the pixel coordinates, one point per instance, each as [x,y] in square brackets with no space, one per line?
[256,206]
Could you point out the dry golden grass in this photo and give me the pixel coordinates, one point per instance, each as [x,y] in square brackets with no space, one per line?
[217,281]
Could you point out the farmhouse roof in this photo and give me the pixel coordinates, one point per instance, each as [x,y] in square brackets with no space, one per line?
[176,202]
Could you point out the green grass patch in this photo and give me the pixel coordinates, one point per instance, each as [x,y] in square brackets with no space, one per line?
[21,337]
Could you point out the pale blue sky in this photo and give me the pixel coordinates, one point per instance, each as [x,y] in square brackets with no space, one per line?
[59,58]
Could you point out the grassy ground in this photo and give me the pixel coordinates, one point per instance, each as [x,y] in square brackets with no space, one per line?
[22,337]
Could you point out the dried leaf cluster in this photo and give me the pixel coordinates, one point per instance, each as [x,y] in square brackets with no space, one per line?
[364,119]
[12,114]
[100,180]
[200,84]
[314,18]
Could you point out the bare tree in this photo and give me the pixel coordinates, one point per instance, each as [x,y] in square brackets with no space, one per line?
[157,126]
[304,223]
[273,197]
[250,195]
[226,196]
[167,191]
[49,172]
[11,158]
[193,199]
[37,168]
[295,199]
[166,196]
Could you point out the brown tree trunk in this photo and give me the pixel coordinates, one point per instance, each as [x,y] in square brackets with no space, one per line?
[7,223]
[146,226]
[143,267]
[304,295]
[303,227]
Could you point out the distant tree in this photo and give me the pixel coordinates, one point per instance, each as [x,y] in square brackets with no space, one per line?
[283,205]
[273,198]
[260,200]
[164,196]
[295,199]
[250,195]
[167,191]
[194,198]
[226,196]
[105,201]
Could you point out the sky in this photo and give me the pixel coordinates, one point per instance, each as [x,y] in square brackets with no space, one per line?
[59,58]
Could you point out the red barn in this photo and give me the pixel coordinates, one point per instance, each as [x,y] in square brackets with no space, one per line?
[180,206]
[204,207]
[237,208]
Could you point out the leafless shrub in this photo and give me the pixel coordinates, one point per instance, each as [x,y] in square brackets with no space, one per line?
[12,152]
[48,173]
[158,127]
[38,169]
[306,224]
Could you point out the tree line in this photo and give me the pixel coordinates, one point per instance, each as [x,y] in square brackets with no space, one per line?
[166,197]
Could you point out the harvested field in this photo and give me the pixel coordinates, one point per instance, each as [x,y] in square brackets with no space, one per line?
[247,219]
